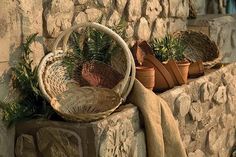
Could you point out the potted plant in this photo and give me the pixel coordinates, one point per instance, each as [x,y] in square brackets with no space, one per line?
[146,62]
[170,51]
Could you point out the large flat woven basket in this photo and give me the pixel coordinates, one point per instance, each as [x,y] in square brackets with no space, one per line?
[199,47]
[55,81]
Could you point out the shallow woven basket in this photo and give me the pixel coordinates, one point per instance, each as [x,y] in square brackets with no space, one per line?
[94,103]
[199,47]
[54,79]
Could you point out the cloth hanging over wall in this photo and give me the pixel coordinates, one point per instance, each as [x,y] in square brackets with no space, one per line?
[162,134]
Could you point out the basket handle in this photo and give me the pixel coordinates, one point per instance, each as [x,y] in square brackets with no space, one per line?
[66,34]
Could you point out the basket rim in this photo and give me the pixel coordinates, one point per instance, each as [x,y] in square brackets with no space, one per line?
[210,63]
[130,70]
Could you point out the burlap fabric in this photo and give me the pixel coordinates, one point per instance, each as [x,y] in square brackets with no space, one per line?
[162,134]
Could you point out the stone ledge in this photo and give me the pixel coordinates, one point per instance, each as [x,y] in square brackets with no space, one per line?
[119,133]
[204,108]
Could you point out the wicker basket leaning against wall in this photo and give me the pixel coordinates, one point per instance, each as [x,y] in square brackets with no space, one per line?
[199,47]
[84,104]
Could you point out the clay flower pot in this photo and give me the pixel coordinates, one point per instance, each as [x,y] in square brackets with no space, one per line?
[184,68]
[196,69]
[146,75]
[98,74]
[163,79]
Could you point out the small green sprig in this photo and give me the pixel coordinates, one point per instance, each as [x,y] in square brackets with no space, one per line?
[168,48]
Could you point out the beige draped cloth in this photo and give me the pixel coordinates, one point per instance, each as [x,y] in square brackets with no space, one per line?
[162,134]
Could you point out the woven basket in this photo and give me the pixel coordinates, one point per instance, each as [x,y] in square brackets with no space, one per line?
[54,78]
[94,103]
[199,47]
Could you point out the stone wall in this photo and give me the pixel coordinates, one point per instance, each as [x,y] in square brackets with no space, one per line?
[146,19]
[204,110]
[206,113]
[119,135]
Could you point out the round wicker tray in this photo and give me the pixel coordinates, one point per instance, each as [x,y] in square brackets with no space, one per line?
[54,78]
[199,47]
[86,104]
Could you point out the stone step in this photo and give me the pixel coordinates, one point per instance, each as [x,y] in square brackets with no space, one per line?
[221,29]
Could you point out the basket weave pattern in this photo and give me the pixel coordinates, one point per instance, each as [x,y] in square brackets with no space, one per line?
[83,103]
[199,47]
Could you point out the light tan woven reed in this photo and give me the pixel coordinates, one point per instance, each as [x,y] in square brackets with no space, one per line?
[94,103]
[54,78]
[199,47]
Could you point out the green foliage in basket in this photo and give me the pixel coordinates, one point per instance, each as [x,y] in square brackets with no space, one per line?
[31,102]
[93,46]
[168,48]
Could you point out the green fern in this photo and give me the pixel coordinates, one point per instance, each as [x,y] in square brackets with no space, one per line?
[168,48]
[94,45]
[25,79]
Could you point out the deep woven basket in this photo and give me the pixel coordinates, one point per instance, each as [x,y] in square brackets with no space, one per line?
[54,79]
[199,47]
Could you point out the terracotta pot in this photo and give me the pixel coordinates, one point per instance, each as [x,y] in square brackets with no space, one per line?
[146,75]
[163,79]
[196,69]
[184,68]
[98,74]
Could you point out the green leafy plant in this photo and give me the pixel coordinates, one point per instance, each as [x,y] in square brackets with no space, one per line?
[93,46]
[168,48]
[31,103]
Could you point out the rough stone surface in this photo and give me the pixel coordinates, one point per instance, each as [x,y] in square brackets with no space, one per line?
[120,5]
[58,16]
[134,10]
[165,8]
[182,104]
[114,19]
[93,14]
[120,134]
[25,146]
[220,95]
[179,8]
[197,153]
[59,142]
[160,27]
[206,91]
[139,146]
[104,3]
[196,111]
[143,30]
[81,18]
[209,128]
[176,25]
[129,32]
[152,10]
[6,140]
[81,1]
